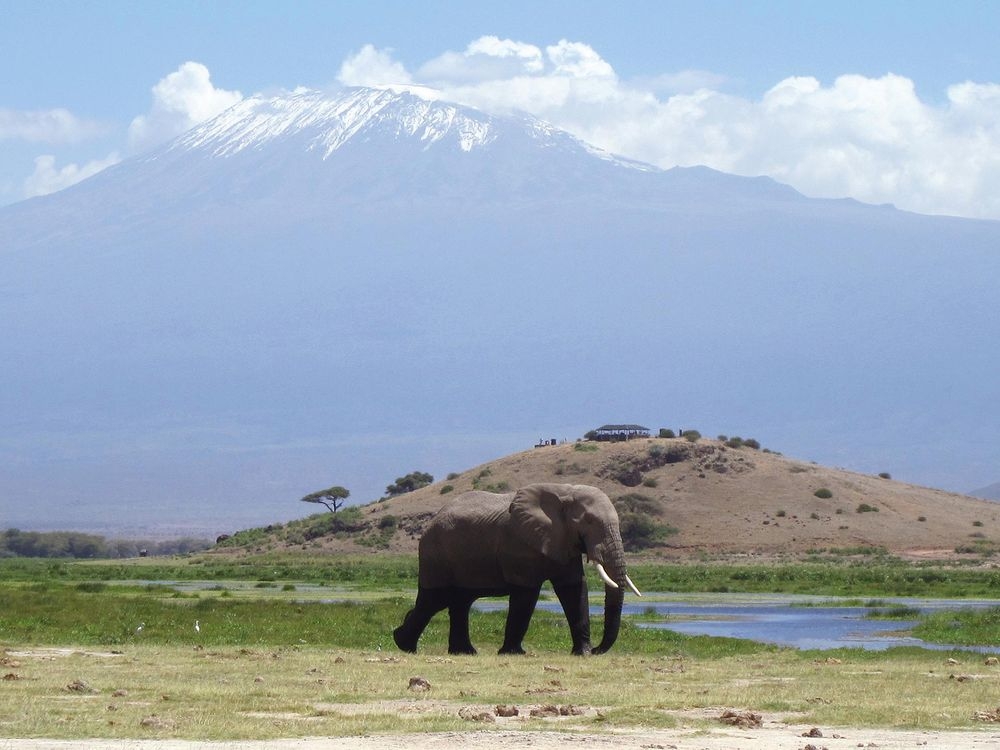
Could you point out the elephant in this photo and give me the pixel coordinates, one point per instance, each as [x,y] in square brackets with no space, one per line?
[485,544]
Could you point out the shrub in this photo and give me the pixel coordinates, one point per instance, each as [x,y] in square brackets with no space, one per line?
[885,475]
[649,482]
[665,433]
[446,489]
[635,502]
[639,531]
[977,523]
[823,493]
[866,508]
[692,436]
[412,481]
[585,447]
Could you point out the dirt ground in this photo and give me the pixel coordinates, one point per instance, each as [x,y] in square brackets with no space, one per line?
[769,736]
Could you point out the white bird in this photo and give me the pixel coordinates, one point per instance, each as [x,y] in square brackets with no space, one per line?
[141,626]
[197,627]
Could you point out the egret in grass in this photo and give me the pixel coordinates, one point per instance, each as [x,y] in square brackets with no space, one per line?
[197,627]
[139,629]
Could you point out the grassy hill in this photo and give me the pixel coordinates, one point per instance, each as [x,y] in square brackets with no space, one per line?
[680,500]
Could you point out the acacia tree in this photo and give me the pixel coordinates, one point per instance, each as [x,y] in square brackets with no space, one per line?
[332,497]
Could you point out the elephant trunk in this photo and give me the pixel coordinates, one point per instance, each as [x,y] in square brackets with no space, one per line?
[614,589]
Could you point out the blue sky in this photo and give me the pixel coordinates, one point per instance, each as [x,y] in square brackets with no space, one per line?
[883,101]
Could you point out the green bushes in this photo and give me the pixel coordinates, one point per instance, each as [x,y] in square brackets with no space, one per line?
[823,493]
[640,531]
[412,481]
[738,442]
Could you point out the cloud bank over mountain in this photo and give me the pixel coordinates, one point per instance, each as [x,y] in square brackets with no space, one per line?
[872,139]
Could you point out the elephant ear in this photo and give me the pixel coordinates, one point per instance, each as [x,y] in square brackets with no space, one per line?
[537,519]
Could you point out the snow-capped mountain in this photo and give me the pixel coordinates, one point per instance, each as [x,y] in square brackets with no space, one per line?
[336,288]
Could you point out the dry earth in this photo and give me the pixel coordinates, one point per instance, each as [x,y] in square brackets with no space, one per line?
[726,501]
[769,736]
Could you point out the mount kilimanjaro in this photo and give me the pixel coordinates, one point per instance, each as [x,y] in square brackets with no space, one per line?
[337,288]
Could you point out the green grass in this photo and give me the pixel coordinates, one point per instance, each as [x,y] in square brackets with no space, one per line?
[874,575]
[109,616]
[966,627]
[867,578]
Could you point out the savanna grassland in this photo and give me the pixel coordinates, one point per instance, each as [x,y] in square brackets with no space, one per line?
[285,631]
[299,646]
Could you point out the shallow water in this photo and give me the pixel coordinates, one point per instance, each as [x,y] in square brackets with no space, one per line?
[802,622]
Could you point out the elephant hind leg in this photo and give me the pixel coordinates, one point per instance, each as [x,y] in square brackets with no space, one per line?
[519,611]
[459,641]
[429,603]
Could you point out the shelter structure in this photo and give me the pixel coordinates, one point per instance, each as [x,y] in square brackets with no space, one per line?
[615,432]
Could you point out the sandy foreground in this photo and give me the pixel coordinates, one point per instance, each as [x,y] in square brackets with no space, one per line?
[770,736]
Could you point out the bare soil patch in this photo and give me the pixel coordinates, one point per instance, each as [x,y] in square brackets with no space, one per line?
[769,736]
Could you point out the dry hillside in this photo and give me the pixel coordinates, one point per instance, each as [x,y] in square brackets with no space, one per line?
[722,501]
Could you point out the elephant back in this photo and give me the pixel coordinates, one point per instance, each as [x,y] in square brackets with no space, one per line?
[459,546]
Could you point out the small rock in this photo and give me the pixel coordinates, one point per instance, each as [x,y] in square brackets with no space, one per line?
[419,685]
[571,711]
[258,679]
[119,693]
[814,732]
[991,661]
[547,668]
[506,711]
[155,722]
[11,676]
[544,712]
[472,714]
[741,719]
[79,686]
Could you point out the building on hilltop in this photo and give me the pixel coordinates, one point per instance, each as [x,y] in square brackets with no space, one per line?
[616,432]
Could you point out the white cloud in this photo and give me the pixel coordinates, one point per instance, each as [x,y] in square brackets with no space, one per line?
[181,100]
[871,138]
[47,178]
[372,67]
[47,126]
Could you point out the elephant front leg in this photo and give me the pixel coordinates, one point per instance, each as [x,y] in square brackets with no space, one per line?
[519,610]
[576,606]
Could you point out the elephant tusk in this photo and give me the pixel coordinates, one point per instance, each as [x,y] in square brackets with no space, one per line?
[604,575]
[632,586]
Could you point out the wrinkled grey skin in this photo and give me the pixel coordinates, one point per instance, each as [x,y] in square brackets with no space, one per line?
[483,544]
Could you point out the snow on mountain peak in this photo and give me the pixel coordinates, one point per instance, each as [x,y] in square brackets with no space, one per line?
[326,122]
[323,122]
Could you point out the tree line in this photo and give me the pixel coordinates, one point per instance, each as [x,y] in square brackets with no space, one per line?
[17,543]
